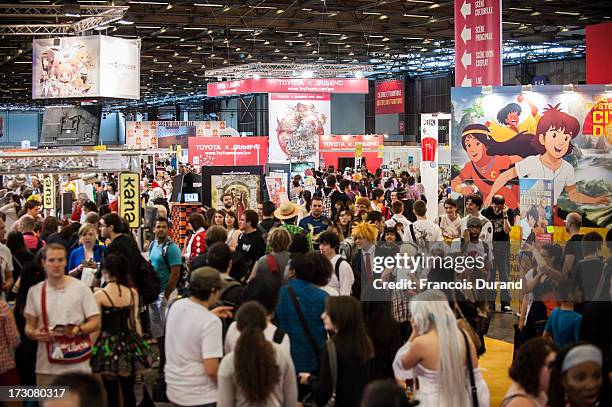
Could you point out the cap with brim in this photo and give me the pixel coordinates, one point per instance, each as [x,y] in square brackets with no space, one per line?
[205,278]
[474,222]
[287,210]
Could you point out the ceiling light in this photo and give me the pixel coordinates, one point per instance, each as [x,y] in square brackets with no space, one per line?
[309,44]
[169,65]
[237,49]
[224,61]
[102,28]
[249,56]
[522,27]
[212,55]
[332,34]
[189,60]
[435,5]
[148,27]
[194,28]
[344,37]
[415,15]
[383,17]
[567,13]
[208,5]
[564,29]
[300,35]
[535,13]
[315,52]
[248,30]
[285,57]
[227,8]
[125,22]
[320,59]
[169,6]
[280,11]
[385,39]
[277,50]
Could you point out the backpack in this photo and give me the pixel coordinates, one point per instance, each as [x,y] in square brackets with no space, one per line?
[150,284]
[264,232]
[327,204]
[272,264]
[181,284]
[337,267]
[237,288]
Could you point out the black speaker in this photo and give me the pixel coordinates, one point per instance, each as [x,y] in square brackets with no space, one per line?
[66,204]
[150,217]
[187,188]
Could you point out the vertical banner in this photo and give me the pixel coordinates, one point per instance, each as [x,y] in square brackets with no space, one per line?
[389,97]
[276,187]
[598,56]
[429,163]
[296,122]
[536,200]
[48,193]
[478,43]
[129,198]
[358,154]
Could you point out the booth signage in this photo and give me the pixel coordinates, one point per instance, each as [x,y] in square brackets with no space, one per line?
[478,43]
[598,57]
[429,163]
[334,147]
[48,193]
[358,151]
[129,198]
[390,97]
[228,151]
[287,85]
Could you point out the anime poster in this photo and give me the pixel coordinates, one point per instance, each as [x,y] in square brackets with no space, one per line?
[296,122]
[536,198]
[164,134]
[243,183]
[141,135]
[505,136]
[444,175]
[87,66]
[276,185]
[66,67]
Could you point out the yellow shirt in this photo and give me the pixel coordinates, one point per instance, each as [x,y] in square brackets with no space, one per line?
[500,132]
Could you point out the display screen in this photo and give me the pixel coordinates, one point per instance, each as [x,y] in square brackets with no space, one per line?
[192,198]
[71,126]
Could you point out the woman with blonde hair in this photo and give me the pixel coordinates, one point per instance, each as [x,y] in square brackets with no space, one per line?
[89,254]
[441,356]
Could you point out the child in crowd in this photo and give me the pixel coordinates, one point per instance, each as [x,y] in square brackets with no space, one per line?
[564,323]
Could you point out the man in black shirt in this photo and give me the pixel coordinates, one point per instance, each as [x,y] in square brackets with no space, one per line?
[251,245]
[408,203]
[121,244]
[268,221]
[572,253]
[502,220]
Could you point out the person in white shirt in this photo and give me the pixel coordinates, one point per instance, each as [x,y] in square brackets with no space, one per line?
[450,223]
[194,344]
[473,204]
[422,232]
[398,218]
[342,278]
[58,306]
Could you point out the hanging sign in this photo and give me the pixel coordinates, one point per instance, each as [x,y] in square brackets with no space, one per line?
[48,193]
[478,43]
[129,198]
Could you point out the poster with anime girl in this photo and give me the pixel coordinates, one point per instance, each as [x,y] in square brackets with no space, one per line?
[567,142]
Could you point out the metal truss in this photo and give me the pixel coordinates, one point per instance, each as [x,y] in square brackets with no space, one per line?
[94,16]
[280,70]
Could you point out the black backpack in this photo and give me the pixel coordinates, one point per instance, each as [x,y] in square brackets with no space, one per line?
[149,285]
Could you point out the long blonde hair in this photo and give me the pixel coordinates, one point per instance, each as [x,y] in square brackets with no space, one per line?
[430,310]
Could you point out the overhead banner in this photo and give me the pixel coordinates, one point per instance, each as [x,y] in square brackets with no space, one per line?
[129,198]
[390,97]
[163,134]
[287,85]
[228,151]
[598,57]
[48,193]
[334,147]
[503,137]
[88,66]
[296,121]
[478,43]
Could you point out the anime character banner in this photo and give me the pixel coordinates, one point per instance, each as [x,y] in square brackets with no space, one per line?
[507,135]
[296,122]
[536,205]
[88,66]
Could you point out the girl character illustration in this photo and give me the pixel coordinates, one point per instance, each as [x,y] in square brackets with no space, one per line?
[554,133]
[488,159]
[508,124]
[47,60]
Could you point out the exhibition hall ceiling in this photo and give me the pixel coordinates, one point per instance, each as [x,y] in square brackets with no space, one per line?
[181,40]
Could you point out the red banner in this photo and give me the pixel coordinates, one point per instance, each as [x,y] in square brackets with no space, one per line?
[478,43]
[344,147]
[598,56]
[390,97]
[287,85]
[218,151]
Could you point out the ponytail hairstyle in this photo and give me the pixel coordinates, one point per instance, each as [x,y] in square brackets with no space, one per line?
[430,310]
[256,371]
[307,197]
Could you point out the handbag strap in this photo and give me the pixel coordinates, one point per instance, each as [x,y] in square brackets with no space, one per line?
[43,305]
[468,352]
[333,364]
[600,284]
[305,327]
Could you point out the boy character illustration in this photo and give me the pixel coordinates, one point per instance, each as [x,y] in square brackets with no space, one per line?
[508,124]
[554,133]
[488,159]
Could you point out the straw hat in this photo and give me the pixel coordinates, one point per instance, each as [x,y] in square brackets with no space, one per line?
[286,210]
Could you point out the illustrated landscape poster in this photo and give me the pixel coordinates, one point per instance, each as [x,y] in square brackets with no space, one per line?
[243,183]
[563,135]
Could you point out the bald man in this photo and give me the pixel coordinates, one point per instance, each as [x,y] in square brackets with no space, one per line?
[573,250]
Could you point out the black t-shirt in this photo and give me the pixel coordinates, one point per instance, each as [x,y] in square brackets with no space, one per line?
[268,224]
[408,211]
[251,246]
[497,220]
[574,247]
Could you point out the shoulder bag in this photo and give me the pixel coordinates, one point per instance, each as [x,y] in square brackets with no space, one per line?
[63,350]
[470,368]
[333,369]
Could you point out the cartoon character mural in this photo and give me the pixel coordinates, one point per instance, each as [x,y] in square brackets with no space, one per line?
[495,143]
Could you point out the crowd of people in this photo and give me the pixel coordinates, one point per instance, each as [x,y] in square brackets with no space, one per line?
[282,305]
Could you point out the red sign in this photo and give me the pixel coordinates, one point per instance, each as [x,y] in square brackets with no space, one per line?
[287,85]
[300,96]
[478,43]
[332,148]
[218,151]
[429,146]
[390,97]
[598,56]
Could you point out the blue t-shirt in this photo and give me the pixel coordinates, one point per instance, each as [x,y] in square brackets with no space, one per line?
[564,326]
[173,258]
[319,225]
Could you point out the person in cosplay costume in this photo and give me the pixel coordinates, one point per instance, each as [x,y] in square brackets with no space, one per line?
[488,159]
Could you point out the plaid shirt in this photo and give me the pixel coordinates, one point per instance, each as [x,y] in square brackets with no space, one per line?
[294,230]
[312,303]
[9,338]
